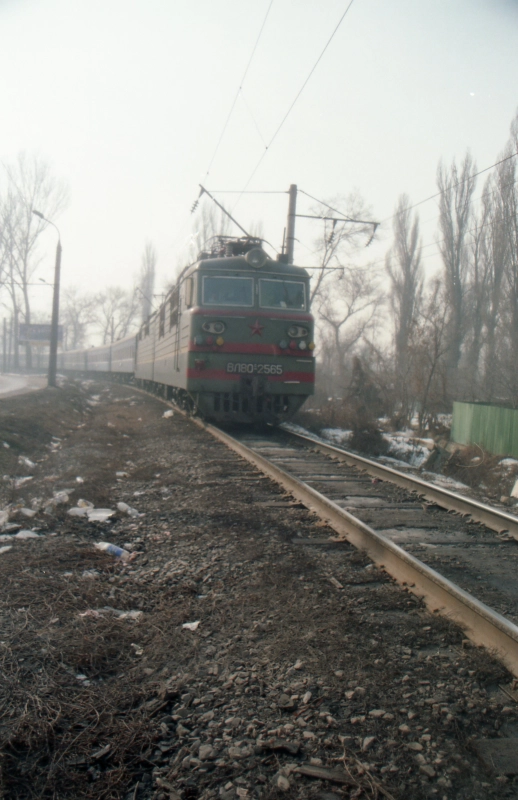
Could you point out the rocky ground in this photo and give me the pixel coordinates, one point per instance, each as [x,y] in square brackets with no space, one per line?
[230,652]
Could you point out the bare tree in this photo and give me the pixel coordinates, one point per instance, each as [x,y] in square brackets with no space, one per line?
[456,186]
[403,264]
[348,309]
[339,240]
[427,352]
[116,313]
[30,185]
[146,281]
[77,314]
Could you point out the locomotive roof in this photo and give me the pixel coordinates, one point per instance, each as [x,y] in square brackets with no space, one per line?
[239,263]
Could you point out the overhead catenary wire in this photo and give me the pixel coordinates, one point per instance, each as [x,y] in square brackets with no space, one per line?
[240,87]
[294,101]
[454,186]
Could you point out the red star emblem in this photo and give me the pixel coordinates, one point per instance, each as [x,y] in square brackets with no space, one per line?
[257,328]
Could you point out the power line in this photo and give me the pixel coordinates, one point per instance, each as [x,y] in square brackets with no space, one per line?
[290,108]
[238,91]
[438,194]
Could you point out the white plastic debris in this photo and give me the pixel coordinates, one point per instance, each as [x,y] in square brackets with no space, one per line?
[4,516]
[77,512]
[60,498]
[99,514]
[19,482]
[28,512]
[121,474]
[79,479]
[126,509]
[26,462]
[514,492]
[191,626]
[26,535]
[6,548]
[84,504]
[113,550]
[168,414]
[7,446]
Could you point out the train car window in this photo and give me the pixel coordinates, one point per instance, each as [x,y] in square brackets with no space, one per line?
[228,291]
[173,308]
[161,322]
[282,294]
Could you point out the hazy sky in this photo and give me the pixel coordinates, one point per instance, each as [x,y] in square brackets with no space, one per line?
[127,100]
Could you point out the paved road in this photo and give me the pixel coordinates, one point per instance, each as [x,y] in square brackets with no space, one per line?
[11,385]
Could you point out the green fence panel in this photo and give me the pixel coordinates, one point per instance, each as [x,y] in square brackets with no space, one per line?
[492,427]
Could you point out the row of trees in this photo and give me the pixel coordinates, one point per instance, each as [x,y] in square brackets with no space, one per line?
[28,184]
[454,332]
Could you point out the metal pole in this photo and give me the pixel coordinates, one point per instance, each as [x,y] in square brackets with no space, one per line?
[4,348]
[290,236]
[53,353]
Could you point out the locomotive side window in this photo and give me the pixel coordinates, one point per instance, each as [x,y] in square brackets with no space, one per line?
[228,291]
[282,294]
[189,292]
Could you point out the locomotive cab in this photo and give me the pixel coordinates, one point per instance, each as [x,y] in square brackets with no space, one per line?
[250,351]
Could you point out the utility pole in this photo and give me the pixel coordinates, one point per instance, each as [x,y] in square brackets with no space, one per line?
[290,235]
[4,348]
[54,325]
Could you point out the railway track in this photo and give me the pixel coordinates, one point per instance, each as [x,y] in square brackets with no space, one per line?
[455,553]
[459,567]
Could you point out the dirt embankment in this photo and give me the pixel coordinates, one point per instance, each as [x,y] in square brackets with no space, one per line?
[305,672]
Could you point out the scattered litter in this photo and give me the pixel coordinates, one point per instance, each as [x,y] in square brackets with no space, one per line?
[102,752]
[85,504]
[121,474]
[191,626]
[168,414]
[90,574]
[60,498]
[514,492]
[6,548]
[77,512]
[126,509]
[7,446]
[80,480]
[138,649]
[26,535]
[113,550]
[11,526]
[26,462]
[90,612]
[4,516]
[335,583]
[28,512]
[19,482]
[99,514]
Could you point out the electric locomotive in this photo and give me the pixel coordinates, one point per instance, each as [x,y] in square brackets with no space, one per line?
[234,338]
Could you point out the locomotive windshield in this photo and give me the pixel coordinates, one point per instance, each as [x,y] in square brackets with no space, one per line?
[282,294]
[228,291]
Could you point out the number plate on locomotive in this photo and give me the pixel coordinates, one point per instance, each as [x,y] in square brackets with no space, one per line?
[255,369]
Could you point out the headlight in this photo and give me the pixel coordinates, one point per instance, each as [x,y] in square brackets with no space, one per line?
[256,257]
[213,327]
[296,331]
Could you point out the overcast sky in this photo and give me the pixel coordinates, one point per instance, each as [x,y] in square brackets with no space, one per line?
[127,100]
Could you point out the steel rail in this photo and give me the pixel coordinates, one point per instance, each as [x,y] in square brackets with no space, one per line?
[481,624]
[493,518]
